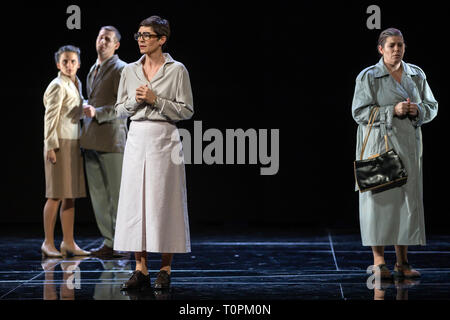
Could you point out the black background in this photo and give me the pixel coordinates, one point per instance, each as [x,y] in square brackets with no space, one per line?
[254,65]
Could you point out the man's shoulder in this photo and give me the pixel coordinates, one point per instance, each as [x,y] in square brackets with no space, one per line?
[119,64]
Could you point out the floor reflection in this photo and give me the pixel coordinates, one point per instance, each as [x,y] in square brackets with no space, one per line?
[107,287]
[48,265]
[401,286]
[71,278]
[149,294]
[320,266]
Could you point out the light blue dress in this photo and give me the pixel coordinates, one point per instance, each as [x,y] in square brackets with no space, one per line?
[395,216]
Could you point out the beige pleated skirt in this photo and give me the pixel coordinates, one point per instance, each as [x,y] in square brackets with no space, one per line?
[152,213]
[65,178]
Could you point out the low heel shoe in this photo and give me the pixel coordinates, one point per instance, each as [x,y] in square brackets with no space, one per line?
[162,280]
[137,281]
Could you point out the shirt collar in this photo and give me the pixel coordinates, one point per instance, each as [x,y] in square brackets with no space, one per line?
[66,78]
[104,61]
[381,70]
[409,71]
[167,58]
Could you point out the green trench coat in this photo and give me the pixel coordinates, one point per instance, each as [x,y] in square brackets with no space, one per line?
[395,216]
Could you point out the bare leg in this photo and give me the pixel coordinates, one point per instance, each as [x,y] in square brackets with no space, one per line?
[378,255]
[49,286]
[50,212]
[401,252]
[66,289]
[166,262]
[141,262]
[378,294]
[402,293]
[402,267]
[67,216]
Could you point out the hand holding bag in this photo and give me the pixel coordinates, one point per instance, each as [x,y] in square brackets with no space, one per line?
[381,171]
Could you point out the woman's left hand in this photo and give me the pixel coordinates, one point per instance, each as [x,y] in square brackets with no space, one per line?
[144,94]
[413,110]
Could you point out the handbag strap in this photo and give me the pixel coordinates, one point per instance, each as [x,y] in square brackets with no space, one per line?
[372,117]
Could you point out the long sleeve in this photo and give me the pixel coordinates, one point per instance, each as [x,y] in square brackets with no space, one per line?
[364,100]
[82,101]
[428,108]
[126,105]
[53,98]
[182,107]
[107,112]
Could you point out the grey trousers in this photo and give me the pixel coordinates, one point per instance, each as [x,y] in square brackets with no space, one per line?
[104,171]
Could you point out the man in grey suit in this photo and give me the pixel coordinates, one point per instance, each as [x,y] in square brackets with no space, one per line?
[103,137]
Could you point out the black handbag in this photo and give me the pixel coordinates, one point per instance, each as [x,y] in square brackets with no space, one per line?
[379,172]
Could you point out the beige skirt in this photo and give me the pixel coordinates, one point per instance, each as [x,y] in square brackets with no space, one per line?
[65,178]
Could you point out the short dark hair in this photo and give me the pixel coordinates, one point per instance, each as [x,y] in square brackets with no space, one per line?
[389,32]
[159,25]
[67,48]
[113,29]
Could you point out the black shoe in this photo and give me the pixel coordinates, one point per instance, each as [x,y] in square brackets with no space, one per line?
[162,280]
[121,254]
[163,294]
[103,252]
[137,281]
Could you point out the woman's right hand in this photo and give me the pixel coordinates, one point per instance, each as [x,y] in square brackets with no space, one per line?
[51,156]
[401,109]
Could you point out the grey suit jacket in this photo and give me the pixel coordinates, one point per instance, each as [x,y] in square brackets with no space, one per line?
[105,132]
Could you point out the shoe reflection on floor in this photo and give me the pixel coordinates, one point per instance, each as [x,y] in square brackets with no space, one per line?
[149,294]
[401,285]
[70,277]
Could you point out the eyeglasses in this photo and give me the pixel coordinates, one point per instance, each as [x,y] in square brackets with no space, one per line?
[145,35]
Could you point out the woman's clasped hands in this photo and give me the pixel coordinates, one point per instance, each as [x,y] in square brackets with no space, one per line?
[144,94]
[406,108]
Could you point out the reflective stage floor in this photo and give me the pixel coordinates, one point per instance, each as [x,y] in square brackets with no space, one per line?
[319,265]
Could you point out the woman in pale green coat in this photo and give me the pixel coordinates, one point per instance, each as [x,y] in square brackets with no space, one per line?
[405,101]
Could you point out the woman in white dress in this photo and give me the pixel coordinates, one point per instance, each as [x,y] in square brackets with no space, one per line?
[152,215]
[405,101]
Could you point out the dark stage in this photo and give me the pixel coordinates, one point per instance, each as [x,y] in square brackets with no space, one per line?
[260,265]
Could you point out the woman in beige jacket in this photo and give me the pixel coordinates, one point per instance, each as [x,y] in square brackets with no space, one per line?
[64,175]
